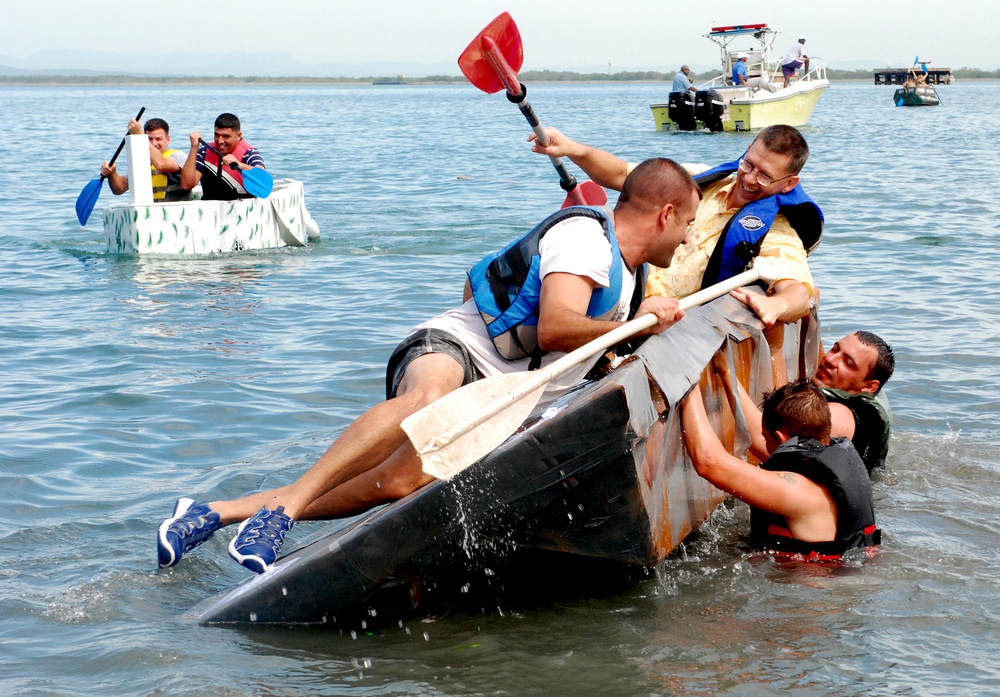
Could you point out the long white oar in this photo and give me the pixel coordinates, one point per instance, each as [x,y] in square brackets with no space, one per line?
[463,426]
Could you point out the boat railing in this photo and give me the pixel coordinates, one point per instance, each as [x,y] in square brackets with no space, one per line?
[817,69]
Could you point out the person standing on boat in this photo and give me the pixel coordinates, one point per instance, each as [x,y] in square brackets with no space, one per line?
[851,376]
[165,163]
[224,180]
[576,276]
[793,60]
[811,497]
[682,81]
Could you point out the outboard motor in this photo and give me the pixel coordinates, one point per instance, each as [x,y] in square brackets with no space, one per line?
[680,109]
[709,108]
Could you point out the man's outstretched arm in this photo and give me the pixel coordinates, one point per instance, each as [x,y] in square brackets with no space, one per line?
[602,167]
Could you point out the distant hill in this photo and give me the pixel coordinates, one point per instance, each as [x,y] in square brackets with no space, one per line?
[237,64]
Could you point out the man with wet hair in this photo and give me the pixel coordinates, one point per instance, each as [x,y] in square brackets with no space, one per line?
[812,496]
[224,165]
[851,376]
[576,276]
[166,164]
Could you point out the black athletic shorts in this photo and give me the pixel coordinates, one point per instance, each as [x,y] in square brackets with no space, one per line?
[427,341]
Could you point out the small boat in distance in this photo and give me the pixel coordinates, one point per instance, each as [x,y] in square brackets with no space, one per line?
[719,105]
[916,95]
[144,225]
[917,85]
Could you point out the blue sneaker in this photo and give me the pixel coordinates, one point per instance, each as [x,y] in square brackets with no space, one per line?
[259,538]
[193,522]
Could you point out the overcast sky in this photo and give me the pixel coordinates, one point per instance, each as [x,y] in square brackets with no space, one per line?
[627,34]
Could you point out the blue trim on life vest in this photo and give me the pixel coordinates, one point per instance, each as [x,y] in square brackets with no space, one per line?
[506,285]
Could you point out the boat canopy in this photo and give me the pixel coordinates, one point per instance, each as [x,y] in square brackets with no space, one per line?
[739,29]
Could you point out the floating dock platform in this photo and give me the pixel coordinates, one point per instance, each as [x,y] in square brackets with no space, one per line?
[898,76]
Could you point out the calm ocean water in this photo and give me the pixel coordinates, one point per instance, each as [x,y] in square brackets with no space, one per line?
[125,382]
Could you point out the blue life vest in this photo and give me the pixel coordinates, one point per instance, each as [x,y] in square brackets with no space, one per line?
[739,243]
[506,286]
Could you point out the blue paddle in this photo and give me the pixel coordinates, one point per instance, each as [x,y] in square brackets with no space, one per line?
[257,182]
[87,199]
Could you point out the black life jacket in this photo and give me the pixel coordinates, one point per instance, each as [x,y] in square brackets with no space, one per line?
[872,423]
[839,468]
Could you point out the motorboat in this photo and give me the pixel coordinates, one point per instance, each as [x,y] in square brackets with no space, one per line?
[719,105]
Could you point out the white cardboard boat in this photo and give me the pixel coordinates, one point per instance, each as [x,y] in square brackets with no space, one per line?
[142,226]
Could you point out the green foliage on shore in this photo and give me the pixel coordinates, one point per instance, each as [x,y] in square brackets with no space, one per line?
[527,76]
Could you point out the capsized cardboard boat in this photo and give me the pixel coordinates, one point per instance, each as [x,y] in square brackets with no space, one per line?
[601,474]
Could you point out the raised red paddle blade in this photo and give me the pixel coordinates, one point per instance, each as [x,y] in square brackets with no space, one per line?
[474,62]
[586,193]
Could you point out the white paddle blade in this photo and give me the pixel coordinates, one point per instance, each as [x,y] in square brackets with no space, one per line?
[465,425]
[431,430]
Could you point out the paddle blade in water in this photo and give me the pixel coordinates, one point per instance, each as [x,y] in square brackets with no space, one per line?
[87,199]
[476,66]
[258,182]
[430,429]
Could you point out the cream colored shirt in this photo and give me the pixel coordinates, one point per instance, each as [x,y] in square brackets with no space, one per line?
[684,275]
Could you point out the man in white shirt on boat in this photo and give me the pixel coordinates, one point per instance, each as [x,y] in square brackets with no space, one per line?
[165,162]
[793,60]
[682,81]
[373,462]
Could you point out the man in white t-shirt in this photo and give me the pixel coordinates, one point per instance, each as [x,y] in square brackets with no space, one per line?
[793,60]
[373,462]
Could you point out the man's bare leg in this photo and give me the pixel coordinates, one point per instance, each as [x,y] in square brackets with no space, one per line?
[370,463]
[374,438]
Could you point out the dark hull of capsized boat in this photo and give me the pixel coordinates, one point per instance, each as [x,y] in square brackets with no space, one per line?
[601,474]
